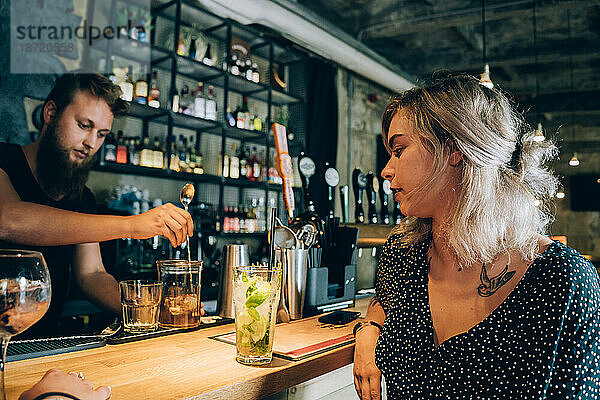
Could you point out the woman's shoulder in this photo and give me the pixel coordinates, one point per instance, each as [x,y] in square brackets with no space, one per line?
[564,267]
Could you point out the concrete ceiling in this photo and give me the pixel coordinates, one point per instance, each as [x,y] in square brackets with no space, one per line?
[425,36]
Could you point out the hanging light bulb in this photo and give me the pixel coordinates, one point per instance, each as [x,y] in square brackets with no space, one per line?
[574,161]
[484,78]
[539,133]
[560,195]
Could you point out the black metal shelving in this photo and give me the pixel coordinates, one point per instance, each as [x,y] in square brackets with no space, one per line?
[183,13]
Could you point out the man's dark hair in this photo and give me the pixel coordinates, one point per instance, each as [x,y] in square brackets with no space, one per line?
[98,85]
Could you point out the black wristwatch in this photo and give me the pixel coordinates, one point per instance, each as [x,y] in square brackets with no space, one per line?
[362,324]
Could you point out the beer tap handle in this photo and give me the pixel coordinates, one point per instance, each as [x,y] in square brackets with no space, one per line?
[383,195]
[284,168]
[359,183]
[332,179]
[372,189]
[307,168]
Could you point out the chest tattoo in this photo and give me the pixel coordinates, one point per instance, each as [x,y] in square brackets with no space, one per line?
[489,286]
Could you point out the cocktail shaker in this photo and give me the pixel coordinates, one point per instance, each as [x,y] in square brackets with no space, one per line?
[294,265]
[233,255]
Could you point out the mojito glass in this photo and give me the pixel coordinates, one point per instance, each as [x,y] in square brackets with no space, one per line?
[255,301]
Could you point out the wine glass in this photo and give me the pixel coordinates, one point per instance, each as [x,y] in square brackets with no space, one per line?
[24,295]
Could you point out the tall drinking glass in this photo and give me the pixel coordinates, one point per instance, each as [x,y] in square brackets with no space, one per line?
[24,295]
[255,300]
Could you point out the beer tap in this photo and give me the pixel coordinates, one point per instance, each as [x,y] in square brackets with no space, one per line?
[372,189]
[332,179]
[397,213]
[307,168]
[385,191]
[359,183]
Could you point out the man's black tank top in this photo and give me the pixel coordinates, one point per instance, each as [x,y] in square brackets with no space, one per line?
[58,258]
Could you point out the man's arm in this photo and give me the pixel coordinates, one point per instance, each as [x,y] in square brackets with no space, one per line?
[38,225]
[98,285]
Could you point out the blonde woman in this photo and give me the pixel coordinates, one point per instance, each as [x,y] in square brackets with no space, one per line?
[472,300]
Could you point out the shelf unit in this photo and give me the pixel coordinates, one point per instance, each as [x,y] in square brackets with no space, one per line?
[163,57]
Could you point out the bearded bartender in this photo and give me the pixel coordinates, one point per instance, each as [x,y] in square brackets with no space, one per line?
[45,205]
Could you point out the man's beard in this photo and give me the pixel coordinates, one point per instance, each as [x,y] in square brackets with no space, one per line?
[57,174]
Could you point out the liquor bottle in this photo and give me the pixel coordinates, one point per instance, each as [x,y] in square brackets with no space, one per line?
[199,168]
[242,218]
[121,148]
[235,220]
[192,52]
[248,71]
[226,165]
[234,164]
[131,150]
[140,89]
[175,101]
[239,118]
[146,154]
[241,67]
[181,46]
[211,104]
[263,165]
[255,73]
[127,86]
[110,149]
[181,154]
[359,183]
[158,154]
[257,123]
[230,119]
[207,59]
[226,220]
[174,158]
[154,95]
[332,179]
[184,101]
[190,155]
[234,66]
[200,102]
[243,163]
[255,165]
[383,196]
[372,189]
[251,226]
[246,113]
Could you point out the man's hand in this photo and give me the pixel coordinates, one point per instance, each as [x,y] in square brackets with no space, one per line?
[167,220]
[57,381]
[367,377]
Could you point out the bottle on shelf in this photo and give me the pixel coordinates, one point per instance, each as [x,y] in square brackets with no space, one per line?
[226,165]
[154,94]
[174,158]
[207,59]
[239,118]
[246,113]
[126,85]
[185,106]
[255,73]
[200,102]
[211,104]
[255,121]
[235,220]
[146,153]
[234,66]
[175,101]
[110,149]
[157,153]
[263,165]
[199,167]
[121,148]
[240,67]
[140,89]
[248,70]
[192,51]
[230,119]
[242,218]
[181,47]
[181,153]
[243,163]
[234,164]
[255,165]
[191,154]
[131,151]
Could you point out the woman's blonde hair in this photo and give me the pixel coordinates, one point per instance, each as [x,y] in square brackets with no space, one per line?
[506,188]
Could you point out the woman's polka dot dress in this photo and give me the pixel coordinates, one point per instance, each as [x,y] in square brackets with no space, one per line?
[542,342]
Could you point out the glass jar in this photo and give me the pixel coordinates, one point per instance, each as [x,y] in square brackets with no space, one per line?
[180,300]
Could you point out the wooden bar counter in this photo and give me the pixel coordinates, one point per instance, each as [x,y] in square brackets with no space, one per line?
[182,366]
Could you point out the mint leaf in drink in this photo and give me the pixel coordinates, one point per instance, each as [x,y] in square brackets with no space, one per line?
[245,277]
[253,313]
[259,296]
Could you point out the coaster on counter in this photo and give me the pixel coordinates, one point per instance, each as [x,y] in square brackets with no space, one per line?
[304,338]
